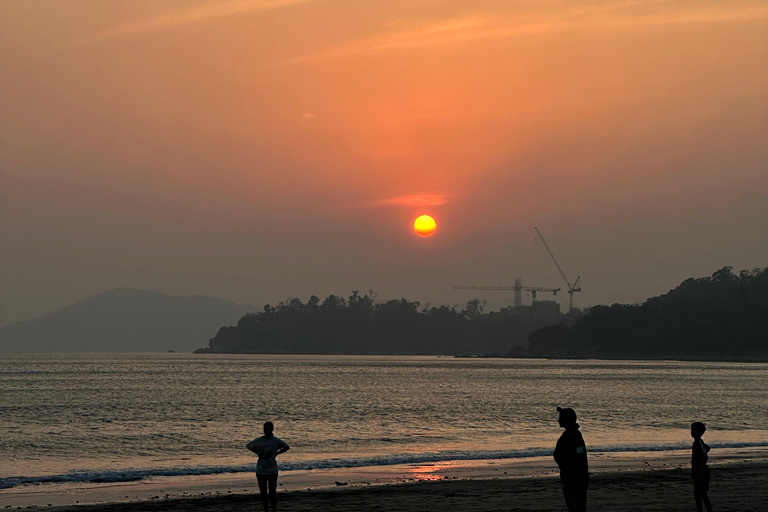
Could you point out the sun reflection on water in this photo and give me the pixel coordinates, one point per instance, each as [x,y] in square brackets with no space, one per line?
[431,471]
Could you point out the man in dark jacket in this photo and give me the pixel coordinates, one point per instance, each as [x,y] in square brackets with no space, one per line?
[571,455]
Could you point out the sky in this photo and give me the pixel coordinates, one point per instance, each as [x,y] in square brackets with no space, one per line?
[257,150]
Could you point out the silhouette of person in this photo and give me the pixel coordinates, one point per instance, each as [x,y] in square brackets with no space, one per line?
[699,468]
[571,456]
[267,447]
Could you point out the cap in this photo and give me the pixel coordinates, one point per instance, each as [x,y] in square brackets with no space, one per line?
[567,415]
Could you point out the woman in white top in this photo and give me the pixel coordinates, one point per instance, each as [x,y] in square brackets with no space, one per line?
[267,447]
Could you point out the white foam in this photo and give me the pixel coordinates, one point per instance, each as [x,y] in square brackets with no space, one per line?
[137,474]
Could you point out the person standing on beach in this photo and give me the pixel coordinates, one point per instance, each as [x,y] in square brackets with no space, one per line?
[699,468]
[571,456]
[267,447]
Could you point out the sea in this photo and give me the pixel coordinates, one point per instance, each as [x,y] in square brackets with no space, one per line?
[101,419]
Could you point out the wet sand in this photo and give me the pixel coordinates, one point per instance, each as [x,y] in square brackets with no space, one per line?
[735,487]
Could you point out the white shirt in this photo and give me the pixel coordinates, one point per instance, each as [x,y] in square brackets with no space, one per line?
[266,448]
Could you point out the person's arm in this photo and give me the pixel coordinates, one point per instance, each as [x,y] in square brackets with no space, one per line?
[252,446]
[558,453]
[697,458]
[581,448]
[282,448]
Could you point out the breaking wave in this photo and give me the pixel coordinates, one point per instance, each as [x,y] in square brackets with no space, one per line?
[136,474]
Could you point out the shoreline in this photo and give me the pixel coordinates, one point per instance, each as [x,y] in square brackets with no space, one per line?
[591,357]
[521,356]
[735,486]
[514,472]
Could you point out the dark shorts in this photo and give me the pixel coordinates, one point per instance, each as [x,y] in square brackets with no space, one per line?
[701,481]
[267,482]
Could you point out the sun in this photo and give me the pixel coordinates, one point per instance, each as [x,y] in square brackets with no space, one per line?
[425,225]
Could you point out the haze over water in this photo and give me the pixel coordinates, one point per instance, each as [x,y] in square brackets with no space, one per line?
[99,417]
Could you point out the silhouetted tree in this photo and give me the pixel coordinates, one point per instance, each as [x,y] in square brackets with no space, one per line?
[360,325]
[721,316]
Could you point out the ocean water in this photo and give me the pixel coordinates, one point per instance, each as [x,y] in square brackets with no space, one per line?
[114,418]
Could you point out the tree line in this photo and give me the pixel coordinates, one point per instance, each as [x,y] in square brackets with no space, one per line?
[723,316]
[360,324]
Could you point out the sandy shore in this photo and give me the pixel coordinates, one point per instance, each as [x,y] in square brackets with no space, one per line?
[735,487]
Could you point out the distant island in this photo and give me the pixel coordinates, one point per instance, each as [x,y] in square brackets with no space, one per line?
[722,317]
[124,320]
[361,325]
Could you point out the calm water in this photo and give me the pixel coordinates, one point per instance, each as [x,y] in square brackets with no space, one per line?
[106,417]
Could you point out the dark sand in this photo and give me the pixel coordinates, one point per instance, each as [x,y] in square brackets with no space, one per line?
[739,487]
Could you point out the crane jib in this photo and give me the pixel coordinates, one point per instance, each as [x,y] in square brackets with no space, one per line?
[572,288]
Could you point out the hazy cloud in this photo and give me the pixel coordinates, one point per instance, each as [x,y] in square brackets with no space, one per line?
[486,26]
[209,11]
[310,115]
[415,200]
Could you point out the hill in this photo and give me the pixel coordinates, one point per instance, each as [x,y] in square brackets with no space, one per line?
[721,317]
[124,320]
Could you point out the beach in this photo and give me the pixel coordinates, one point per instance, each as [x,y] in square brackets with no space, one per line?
[735,487]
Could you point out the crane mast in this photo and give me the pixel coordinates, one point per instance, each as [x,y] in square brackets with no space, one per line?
[572,288]
[518,289]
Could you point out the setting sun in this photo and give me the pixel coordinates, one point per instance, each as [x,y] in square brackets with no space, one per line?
[425,225]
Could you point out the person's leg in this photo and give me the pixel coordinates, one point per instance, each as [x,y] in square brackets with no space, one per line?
[699,502]
[704,496]
[571,496]
[700,489]
[582,500]
[262,479]
[273,491]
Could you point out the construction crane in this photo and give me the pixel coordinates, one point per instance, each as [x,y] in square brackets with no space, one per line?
[572,288]
[518,288]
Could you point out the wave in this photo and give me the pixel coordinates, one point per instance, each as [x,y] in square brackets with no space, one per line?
[136,474]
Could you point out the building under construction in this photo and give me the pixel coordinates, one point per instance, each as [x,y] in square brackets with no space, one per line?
[518,287]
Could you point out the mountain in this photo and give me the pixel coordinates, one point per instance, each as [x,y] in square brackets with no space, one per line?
[124,320]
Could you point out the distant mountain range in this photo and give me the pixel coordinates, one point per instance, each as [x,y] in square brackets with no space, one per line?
[124,320]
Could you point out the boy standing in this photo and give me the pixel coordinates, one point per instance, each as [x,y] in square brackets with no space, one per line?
[699,468]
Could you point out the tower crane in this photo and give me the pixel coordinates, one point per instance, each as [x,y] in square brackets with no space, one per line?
[518,288]
[572,288]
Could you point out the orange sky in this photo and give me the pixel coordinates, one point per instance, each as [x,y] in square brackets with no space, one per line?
[257,150]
